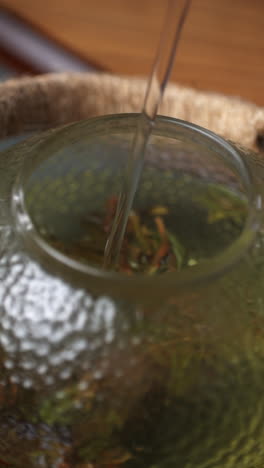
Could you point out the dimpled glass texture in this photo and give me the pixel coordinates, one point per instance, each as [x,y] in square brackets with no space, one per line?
[98,369]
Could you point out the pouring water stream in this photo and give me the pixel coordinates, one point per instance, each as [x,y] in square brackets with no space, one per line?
[158,79]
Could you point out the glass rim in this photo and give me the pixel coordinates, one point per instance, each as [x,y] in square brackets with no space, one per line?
[203,271]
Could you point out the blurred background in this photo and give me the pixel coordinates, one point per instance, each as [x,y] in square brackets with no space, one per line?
[221,49]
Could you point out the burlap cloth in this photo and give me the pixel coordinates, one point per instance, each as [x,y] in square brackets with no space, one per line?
[55,99]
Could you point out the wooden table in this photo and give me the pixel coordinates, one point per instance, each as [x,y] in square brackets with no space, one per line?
[222,47]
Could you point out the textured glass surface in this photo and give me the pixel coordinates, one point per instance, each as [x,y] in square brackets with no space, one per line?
[103,371]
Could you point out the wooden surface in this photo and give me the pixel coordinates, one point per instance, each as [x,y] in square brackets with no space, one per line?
[222,46]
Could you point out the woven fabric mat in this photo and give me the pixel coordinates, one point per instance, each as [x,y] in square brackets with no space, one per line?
[55,99]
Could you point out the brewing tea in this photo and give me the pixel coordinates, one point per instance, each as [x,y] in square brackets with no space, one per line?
[201,221]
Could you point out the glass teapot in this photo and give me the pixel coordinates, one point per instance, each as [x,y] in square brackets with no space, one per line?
[108,369]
